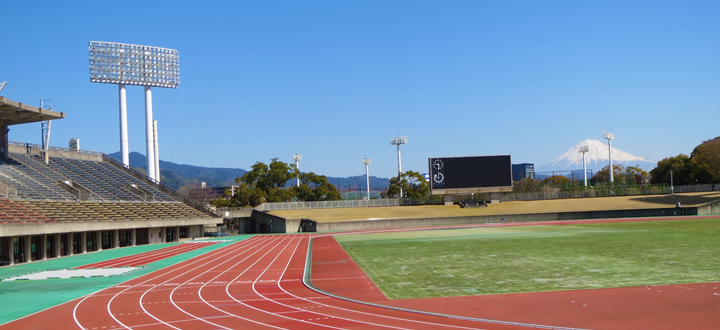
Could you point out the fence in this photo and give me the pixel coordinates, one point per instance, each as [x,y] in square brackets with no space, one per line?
[601,191]
[327,204]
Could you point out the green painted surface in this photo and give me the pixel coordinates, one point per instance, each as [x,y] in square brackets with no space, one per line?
[38,295]
[500,260]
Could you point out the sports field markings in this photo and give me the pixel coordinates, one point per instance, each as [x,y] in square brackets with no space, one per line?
[212,254]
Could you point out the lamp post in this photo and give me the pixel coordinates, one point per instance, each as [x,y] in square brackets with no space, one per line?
[367,162]
[397,141]
[609,136]
[297,158]
[583,150]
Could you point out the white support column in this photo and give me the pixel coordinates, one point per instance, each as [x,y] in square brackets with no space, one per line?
[57,246]
[132,237]
[11,250]
[157,151]
[98,240]
[149,141]
[116,238]
[69,247]
[83,242]
[124,151]
[43,247]
[163,235]
[28,253]
[177,233]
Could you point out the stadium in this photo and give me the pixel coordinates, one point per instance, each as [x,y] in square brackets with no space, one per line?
[99,245]
[87,242]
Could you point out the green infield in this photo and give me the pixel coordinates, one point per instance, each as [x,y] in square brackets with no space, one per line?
[496,260]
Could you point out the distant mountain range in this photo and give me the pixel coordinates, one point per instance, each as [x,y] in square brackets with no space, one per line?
[177,175]
[596,158]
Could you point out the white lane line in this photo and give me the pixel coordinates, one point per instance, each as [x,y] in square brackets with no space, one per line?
[269,242]
[210,254]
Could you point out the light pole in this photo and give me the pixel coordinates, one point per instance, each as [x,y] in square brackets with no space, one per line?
[583,150]
[297,158]
[609,136]
[397,141]
[367,162]
[147,66]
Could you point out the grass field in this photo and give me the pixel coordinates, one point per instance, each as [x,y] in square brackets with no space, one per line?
[458,262]
[526,207]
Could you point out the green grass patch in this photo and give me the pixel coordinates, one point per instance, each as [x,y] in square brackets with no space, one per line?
[38,295]
[457,262]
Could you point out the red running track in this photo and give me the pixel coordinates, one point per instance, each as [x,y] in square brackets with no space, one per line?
[253,284]
[148,257]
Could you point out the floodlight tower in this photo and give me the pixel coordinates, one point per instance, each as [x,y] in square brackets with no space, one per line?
[367,162]
[147,66]
[297,158]
[397,141]
[583,150]
[609,136]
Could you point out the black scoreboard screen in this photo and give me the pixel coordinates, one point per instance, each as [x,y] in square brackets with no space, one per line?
[470,172]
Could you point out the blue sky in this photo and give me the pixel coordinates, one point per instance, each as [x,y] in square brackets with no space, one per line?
[335,80]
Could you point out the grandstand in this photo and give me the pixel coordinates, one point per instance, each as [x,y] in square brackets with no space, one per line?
[60,202]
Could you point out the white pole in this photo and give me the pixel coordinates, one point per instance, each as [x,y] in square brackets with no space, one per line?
[610,156]
[672,190]
[399,161]
[297,166]
[367,176]
[157,151]
[123,127]
[149,150]
[584,170]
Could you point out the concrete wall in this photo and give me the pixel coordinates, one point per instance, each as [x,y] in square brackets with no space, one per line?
[293,224]
[273,223]
[235,212]
[709,208]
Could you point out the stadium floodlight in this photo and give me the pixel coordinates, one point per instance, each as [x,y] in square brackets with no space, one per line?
[397,141]
[297,158]
[126,64]
[367,162]
[583,150]
[609,136]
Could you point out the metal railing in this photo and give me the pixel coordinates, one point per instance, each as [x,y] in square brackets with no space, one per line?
[602,191]
[39,146]
[327,204]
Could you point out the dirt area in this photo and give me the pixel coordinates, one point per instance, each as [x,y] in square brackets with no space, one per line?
[544,206]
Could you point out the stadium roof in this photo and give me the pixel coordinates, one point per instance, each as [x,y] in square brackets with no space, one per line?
[14,113]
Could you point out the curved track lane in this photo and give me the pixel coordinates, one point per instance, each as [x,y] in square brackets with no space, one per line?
[253,284]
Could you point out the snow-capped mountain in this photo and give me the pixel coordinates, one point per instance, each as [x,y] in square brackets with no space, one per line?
[596,158]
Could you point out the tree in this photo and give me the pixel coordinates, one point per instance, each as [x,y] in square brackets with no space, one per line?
[526,185]
[679,165]
[261,184]
[322,189]
[196,192]
[632,172]
[411,183]
[704,166]
[556,179]
[619,174]
[270,180]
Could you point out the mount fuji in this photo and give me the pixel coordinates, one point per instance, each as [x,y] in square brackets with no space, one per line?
[596,158]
